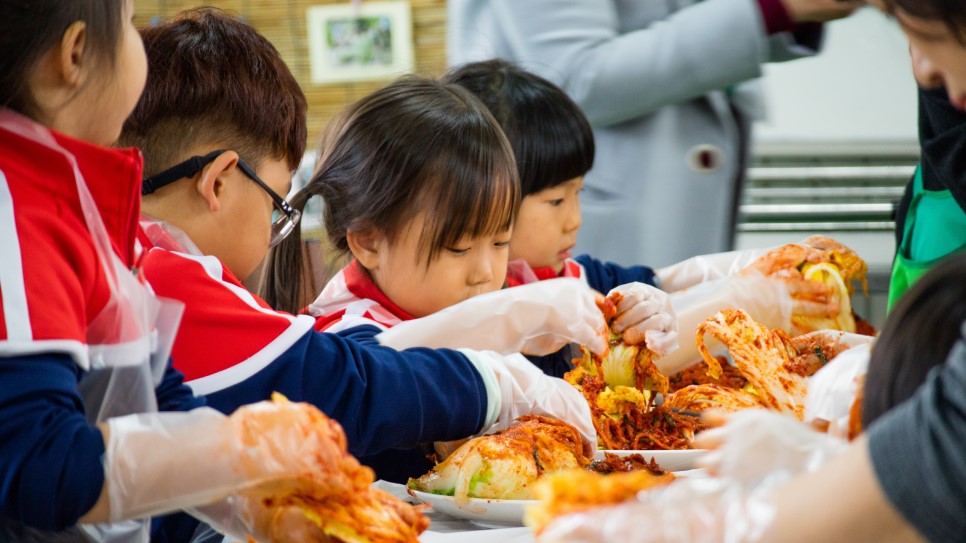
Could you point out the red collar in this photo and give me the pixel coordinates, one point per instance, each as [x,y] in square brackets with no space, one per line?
[570,269]
[359,283]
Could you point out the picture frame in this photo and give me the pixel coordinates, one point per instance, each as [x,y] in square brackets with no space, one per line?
[367,41]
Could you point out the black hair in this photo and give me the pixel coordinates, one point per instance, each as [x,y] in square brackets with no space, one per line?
[30,28]
[950,12]
[414,146]
[551,137]
[917,336]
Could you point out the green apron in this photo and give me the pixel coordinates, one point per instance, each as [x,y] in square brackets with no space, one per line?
[935,228]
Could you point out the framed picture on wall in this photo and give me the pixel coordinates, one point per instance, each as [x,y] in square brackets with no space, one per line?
[365,41]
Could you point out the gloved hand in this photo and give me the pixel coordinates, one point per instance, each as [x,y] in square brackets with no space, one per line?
[768,301]
[756,444]
[699,510]
[515,387]
[161,462]
[254,513]
[538,318]
[757,452]
[833,389]
[703,268]
[645,314]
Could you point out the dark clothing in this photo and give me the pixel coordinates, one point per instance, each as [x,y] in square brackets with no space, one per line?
[917,451]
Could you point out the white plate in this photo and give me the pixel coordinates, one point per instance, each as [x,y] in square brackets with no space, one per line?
[668,460]
[395,489]
[485,512]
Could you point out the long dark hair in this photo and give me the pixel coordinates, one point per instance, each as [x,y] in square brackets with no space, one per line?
[414,146]
[551,138]
[30,28]
[951,12]
[917,336]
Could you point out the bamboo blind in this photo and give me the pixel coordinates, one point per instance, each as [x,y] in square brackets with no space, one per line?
[284,22]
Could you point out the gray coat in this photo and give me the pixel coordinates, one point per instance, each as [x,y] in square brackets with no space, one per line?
[649,74]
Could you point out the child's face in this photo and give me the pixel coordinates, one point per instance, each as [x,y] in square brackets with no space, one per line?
[104,104]
[469,268]
[938,57]
[546,228]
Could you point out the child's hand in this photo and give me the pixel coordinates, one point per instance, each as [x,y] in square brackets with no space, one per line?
[644,314]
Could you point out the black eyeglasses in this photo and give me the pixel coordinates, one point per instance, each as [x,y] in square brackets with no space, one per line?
[284,218]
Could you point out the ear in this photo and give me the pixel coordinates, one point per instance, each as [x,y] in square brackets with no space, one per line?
[366,247]
[211,182]
[70,61]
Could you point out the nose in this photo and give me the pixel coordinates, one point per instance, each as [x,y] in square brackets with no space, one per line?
[481,271]
[572,219]
[926,73]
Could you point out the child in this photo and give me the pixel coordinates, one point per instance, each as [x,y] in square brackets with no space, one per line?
[76,325]
[207,223]
[554,147]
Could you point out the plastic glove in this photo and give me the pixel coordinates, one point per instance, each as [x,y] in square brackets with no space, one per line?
[703,268]
[756,444]
[701,510]
[644,314]
[522,389]
[254,513]
[757,452]
[538,318]
[833,389]
[160,462]
[768,301]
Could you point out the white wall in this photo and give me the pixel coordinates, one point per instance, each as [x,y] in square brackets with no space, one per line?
[858,90]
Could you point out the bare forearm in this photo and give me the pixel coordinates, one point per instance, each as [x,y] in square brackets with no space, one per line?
[842,502]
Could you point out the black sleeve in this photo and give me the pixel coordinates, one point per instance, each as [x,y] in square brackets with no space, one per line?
[558,363]
[917,451]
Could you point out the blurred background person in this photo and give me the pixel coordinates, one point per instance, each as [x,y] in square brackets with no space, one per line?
[665,86]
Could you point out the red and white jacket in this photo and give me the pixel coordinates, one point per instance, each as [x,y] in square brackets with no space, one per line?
[230,336]
[352,299]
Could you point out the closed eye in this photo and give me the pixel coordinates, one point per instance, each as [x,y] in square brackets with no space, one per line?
[556,203]
[457,252]
[502,244]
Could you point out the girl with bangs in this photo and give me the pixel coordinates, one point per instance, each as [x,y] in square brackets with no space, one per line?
[420,186]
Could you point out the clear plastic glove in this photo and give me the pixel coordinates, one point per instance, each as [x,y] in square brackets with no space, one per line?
[768,301]
[833,390]
[161,462]
[645,314]
[756,444]
[524,390]
[538,318]
[253,513]
[703,268]
[757,451]
[701,510]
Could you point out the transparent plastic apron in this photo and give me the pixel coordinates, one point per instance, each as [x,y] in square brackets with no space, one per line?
[129,341]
